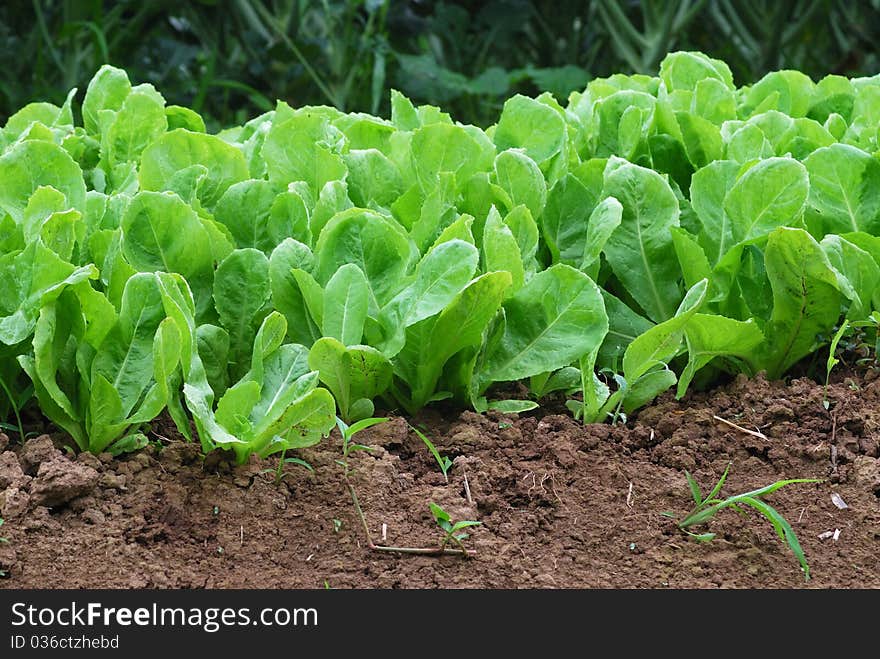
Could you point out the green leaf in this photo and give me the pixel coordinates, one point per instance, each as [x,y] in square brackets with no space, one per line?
[180,150]
[287,297]
[783,530]
[125,358]
[638,250]
[346,299]
[522,179]
[241,295]
[446,148]
[212,343]
[604,220]
[373,242]
[859,274]
[245,210]
[557,317]
[844,190]
[372,178]
[708,337]
[570,203]
[306,148]
[161,232]
[684,70]
[431,343]
[532,126]
[709,187]
[31,164]
[140,120]
[691,257]
[806,299]
[501,251]
[440,276]
[790,91]
[694,487]
[662,342]
[771,194]
[439,514]
[31,279]
[512,406]
[107,90]
[351,373]
[128,444]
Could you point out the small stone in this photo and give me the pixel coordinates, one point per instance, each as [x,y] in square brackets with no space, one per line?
[60,480]
[10,470]
[35,452]
[4,441]
[838,501]
[81,504]
[142,459]
[780,411]
[40,519]
[112,481]
[14,503]
[105,457]
[94,516]
[867,471]
[90,460]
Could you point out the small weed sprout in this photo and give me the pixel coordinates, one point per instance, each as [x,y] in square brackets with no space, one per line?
[348,432]
[454,531]
[280,474]
[832,361]
[706,508]
[443,461]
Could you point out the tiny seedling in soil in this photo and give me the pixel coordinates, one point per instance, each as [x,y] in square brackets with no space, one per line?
[349,447]
[280,474]
[349,431]
[454,530]
[443,461]
[832,361]
[706,508]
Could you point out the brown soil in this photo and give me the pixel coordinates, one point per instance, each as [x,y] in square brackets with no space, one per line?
[561,505]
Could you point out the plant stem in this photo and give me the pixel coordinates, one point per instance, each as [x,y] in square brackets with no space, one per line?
[14,405]
[424,551]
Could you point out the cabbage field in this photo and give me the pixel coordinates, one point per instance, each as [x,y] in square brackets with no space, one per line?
[648,234]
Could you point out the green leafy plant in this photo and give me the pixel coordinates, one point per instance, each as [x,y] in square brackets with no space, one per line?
[707,507]
[654,232]
[454,530]
[443,461]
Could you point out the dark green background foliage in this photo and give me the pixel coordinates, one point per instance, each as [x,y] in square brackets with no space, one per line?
[231,60]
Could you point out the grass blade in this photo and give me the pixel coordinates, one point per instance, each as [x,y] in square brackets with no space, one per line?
[783,530]
[719,484]
[695,488]
[775,486]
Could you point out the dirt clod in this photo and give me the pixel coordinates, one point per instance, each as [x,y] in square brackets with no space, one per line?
[60,480]
[10,470]
[37,451]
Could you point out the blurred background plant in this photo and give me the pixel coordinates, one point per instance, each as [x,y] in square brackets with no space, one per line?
[231,59]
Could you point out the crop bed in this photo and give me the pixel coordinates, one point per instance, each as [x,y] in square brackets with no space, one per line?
[197,313]
[554,498]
